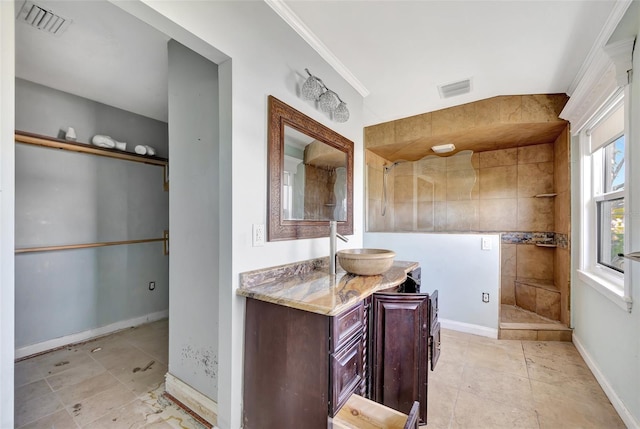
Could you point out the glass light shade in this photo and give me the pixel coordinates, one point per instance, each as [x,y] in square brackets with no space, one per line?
[311,89]
[341,114]
[328,101]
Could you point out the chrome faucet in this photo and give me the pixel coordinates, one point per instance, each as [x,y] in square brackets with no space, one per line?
[333,233]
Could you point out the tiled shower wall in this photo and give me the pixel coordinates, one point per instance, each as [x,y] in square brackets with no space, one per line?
[502,199]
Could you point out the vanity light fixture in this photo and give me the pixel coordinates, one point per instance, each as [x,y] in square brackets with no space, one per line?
[329,101]
[444,148]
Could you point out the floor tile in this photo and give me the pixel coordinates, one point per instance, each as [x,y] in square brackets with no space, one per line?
[91,409]
[59,420]
[135,414]
[501,355]
[25,372]
[473,411]
[31,391]
[74,375]
[36,408]
[441,401]
[71,395]
[502,387]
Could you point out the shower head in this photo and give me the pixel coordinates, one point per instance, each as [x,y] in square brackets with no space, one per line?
[388,168]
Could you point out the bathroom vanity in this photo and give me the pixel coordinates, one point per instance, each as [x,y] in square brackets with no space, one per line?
[313,339]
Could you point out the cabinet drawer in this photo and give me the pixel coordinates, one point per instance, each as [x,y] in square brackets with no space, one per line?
[346,374]
[346,325]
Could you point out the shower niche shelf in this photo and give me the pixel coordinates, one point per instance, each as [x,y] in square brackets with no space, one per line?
[545,195]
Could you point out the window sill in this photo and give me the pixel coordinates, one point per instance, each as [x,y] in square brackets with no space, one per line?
[610,287]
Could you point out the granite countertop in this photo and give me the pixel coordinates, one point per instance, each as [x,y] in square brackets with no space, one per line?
[314,289]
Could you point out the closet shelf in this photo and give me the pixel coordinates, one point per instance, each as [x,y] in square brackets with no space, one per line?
[39,140]
[54,143]
[545,195]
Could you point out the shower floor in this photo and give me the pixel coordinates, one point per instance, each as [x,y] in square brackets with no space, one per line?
[519,324]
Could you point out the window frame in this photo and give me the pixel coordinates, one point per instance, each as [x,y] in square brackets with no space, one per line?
[609,282]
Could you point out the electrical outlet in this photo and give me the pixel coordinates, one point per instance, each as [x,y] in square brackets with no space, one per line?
[485,297]
[486,243]
[152,285]
[258,234]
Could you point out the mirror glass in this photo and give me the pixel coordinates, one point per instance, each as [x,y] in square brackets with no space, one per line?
[314,179]
[310,176]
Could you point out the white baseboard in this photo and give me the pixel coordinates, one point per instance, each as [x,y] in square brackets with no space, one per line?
[196,401]
[87,335]
[468,328]
[617,403]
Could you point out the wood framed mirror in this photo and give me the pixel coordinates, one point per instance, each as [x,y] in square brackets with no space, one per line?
[310,176]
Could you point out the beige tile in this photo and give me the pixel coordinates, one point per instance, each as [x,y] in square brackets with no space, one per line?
[58,420]
[452,119]
[441,400]
[91,409]
[536,214]
[535,179]
[426,216]
[526,296]
[472,411]
[75,375]
[498,355]
[535,153]
[556,404]
[534,262]
[403,189]
[508,259]
[556,351]
[554,335]
[71,395]
[403,216]
[508,290]
[511,109]
[518,334]
[441,215]
[460,184]
[562,163]
[499,182]
[462,215]
[548,304]
[26,371]
[488,111]
[425,190]
[135,414]
[374,215]
[497,158]
[542,107]
[60,360]
[505,388]
[573,378]
[30,391]
[562,213]
[36,408]
[413,127]
[379,135]
[144,378]
[498,215]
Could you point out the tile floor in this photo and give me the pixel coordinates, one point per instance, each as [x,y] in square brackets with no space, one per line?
[485,383]
[117,382]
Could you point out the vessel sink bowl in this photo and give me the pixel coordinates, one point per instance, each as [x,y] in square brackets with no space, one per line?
[366,262]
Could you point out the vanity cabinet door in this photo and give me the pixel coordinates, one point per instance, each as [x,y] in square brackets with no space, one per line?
[434,331]
[399,354]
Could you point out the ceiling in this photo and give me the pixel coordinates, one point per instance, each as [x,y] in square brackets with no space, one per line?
[399,50]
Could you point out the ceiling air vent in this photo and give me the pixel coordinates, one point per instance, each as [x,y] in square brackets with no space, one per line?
[42,19]
[455,88]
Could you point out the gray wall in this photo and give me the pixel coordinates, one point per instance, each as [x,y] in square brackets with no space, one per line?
[46,111]
[195,219]
[65,197]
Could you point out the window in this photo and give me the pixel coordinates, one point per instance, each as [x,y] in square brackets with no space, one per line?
[603,200]
[610,205]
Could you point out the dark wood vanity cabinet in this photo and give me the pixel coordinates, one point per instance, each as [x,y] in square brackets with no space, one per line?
[300,367]
[404,332]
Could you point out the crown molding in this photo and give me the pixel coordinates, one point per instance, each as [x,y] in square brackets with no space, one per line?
[619,9]
[280,7]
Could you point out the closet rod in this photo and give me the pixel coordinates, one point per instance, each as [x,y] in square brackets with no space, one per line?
[89,245]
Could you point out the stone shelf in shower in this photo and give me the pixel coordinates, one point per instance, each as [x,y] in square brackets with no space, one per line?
[545,195]
[552,246]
